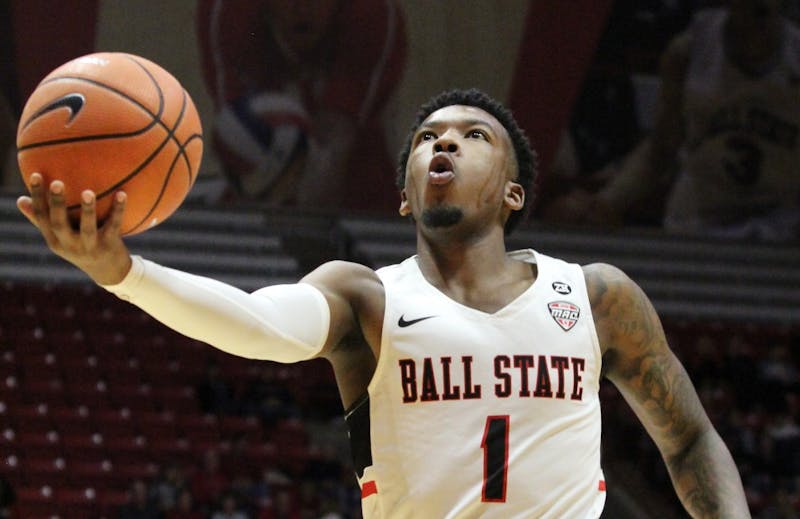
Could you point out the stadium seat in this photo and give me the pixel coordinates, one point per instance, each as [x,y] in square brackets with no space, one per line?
[90,473]
[42,470]
[76,501]
[69,419]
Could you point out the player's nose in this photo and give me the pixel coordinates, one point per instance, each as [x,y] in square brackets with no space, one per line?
[445,143]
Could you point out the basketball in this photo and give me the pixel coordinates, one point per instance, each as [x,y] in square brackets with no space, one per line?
[113,121]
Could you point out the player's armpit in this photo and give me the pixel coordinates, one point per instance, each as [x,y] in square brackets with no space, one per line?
[356,300]
[655,384]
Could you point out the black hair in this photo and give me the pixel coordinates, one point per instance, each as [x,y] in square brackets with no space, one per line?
[524,154]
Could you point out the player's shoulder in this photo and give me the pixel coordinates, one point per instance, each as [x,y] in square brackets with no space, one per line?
[341,271]
[603,272]
[604,280]
[346,278]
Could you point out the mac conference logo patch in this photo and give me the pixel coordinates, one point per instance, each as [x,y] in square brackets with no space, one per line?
[564,313]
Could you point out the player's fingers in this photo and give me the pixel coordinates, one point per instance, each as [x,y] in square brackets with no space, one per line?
[25,206]
[40,210]
[38,199]
[88,219]
[58,210]
[114,222]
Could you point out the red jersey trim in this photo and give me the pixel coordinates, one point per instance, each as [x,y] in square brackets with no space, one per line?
[368,488]
[601,485]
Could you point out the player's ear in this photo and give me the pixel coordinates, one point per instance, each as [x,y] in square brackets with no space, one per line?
[514,195]
[404,208]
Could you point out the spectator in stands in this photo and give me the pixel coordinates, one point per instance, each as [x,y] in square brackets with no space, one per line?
[294,84]
[139,505]
[229,508]
[184,508]
[726,138]
[284,506]
[267,398]
[168,486]
[208,482]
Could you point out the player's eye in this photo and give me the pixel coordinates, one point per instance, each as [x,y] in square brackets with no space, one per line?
[427,136]
[477,134]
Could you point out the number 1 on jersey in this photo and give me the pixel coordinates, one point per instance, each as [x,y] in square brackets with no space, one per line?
[495,459]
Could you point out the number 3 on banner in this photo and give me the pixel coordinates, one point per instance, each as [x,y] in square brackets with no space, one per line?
[495,459]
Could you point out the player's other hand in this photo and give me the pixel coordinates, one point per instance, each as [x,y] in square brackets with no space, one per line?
[98,251]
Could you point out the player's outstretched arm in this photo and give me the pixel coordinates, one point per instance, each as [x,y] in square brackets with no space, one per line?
[641,365]
[285,323]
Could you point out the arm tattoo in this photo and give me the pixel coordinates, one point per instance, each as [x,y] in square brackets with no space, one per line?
[639,362]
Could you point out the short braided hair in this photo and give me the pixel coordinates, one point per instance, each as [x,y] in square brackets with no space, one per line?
[525,156]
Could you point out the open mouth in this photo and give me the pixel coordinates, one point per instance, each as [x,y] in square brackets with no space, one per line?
[440,170]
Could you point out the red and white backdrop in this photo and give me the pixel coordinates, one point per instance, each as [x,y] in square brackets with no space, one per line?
[533,55]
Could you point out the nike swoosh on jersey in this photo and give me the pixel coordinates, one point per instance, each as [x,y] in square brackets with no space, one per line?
[402,323]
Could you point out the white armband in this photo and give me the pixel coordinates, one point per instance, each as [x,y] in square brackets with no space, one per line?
[283,323]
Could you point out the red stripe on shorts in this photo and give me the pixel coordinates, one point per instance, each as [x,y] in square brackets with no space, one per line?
[601,485]
[368,488]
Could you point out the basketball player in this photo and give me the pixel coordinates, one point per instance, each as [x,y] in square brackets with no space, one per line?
[469,374]
[726,137]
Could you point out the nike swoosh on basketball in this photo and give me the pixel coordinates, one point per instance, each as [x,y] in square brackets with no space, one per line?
[402,323]
[74,102]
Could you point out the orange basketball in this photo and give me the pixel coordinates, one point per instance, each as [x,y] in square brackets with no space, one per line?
[112,121]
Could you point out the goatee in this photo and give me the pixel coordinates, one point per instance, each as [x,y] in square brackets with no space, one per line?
[442,216]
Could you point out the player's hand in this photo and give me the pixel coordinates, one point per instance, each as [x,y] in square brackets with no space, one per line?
[100,252]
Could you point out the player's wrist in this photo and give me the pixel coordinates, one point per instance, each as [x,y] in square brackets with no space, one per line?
[113,273]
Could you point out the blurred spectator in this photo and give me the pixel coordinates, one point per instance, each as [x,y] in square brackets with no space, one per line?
[299,86]
[168,486]
[139,505]
[726,136]
[610,114]
[262,491]
[184,508]
[268,398]
[208,482]
[229,508]
[284,506]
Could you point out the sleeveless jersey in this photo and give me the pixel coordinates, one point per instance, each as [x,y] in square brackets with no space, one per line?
[741,156]
[471,414]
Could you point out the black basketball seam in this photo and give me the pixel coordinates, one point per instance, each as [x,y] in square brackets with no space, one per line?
[155,117]
[180,153]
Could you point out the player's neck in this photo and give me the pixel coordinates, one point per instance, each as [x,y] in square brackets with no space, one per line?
[479,274]
[463,262]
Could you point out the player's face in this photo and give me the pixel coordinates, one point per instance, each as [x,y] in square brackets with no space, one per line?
[461,166]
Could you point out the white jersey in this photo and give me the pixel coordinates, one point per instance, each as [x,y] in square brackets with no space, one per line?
[478,415]
[741,158]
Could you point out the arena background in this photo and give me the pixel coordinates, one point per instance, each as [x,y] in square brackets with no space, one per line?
[731,309]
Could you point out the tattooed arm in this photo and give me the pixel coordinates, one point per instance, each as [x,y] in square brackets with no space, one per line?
[637,359]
